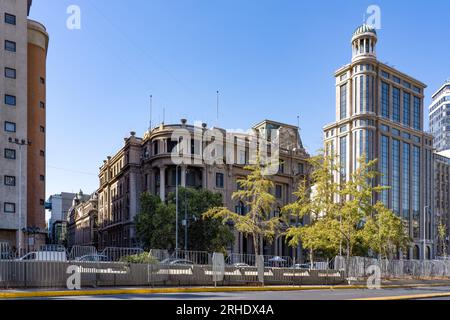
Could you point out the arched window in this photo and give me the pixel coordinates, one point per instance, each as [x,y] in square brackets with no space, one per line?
[416,253]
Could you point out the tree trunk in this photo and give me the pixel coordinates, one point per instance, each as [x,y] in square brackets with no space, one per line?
[311,258]
[256,244]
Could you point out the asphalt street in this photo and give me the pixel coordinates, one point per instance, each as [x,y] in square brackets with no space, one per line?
[347,294]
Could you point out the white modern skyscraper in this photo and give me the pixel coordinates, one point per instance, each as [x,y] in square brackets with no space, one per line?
[379,113]
[439,117]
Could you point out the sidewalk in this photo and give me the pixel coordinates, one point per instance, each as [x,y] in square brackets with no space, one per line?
[42,293]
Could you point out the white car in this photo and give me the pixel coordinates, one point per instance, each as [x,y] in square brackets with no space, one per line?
[60,256]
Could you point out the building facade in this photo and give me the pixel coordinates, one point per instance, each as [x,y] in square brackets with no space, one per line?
[379,113]
[59,205]
[146,165]
[442,198]
[22,128]
[439,117]
[82,221]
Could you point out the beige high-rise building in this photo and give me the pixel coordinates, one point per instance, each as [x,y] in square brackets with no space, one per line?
[22,130]
[379,113]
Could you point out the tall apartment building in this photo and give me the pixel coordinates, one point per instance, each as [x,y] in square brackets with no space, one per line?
[22,130]
[379,113]
[146,165]
[439,117]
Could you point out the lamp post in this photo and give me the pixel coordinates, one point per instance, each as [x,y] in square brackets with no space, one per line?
[424,230]
[176,206]
[21,143]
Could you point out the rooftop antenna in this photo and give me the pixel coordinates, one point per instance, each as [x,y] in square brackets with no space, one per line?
[217,107]
[298,122]
[151,111]
[164,115]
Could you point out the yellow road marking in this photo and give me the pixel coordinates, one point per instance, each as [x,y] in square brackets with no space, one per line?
[409,297]
[98,292]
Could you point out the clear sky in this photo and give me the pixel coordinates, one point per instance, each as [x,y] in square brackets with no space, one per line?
[269,59]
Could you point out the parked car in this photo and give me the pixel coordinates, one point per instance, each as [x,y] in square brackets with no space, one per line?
[302,266]
[93,258]
[60,256]
[177,262]
[241,265]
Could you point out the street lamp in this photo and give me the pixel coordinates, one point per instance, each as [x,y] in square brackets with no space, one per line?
[21,143]
[424,230]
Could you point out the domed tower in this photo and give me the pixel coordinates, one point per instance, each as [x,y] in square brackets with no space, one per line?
[364,43]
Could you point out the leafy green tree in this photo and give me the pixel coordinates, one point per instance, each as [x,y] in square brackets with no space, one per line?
[384,232]
[203,234]
[155,224]
[442,237]
[256,193]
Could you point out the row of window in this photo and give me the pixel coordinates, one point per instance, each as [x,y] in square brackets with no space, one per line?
[12,127]
[11,100]
[11,154]
[220,184]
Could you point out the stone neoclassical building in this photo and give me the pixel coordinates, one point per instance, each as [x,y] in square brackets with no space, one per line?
[379,112]
[82,221]
[146,165]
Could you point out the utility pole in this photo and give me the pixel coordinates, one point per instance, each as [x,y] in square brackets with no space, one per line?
[424,231]
[20,144]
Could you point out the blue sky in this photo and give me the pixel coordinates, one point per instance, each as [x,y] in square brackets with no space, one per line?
[269,59]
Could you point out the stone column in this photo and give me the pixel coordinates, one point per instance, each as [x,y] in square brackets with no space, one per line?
[162,183]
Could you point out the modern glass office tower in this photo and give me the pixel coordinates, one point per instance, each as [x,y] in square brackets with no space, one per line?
[439,117]
[379,113]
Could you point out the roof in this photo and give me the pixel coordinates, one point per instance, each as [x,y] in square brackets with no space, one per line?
[365,28]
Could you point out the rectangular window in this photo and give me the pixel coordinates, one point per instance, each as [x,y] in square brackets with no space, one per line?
[384,168]
[10,100]
[343,100]
[385,100]
[416,191]
[42,129]
[10,46]
[396,79]
[219,180]
[416,113]
[42,105]
[10,126]
[10,154]
[279,191]
[10,181]
[385,74]
[343,157]
[42,178]
[42,153]
[10,19]
[42,80]
[396,176]
[396,104]
[406,109]
[10,73]
[9,207]
[301,168]
[406,183]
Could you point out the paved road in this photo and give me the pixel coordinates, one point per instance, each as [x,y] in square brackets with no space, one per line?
[281,295]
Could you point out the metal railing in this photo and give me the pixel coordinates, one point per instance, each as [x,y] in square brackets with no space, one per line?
[357,267]
[250,260]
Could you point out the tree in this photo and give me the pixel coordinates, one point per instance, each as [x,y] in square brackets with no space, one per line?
[384,233]
[203,234]
[442,237]
[256,193]
[318,205]
[155,224]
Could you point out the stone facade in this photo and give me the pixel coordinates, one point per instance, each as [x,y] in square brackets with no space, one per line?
[146,165]
[82,221]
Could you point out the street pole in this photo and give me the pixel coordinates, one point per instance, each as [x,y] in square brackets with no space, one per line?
[185,222]
[20,144]
[176,205]
[424,231]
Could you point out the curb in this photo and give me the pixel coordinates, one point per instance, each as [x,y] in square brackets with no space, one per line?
[407,297]
[107,292]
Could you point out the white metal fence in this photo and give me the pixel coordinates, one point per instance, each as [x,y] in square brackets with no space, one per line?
[356,267]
